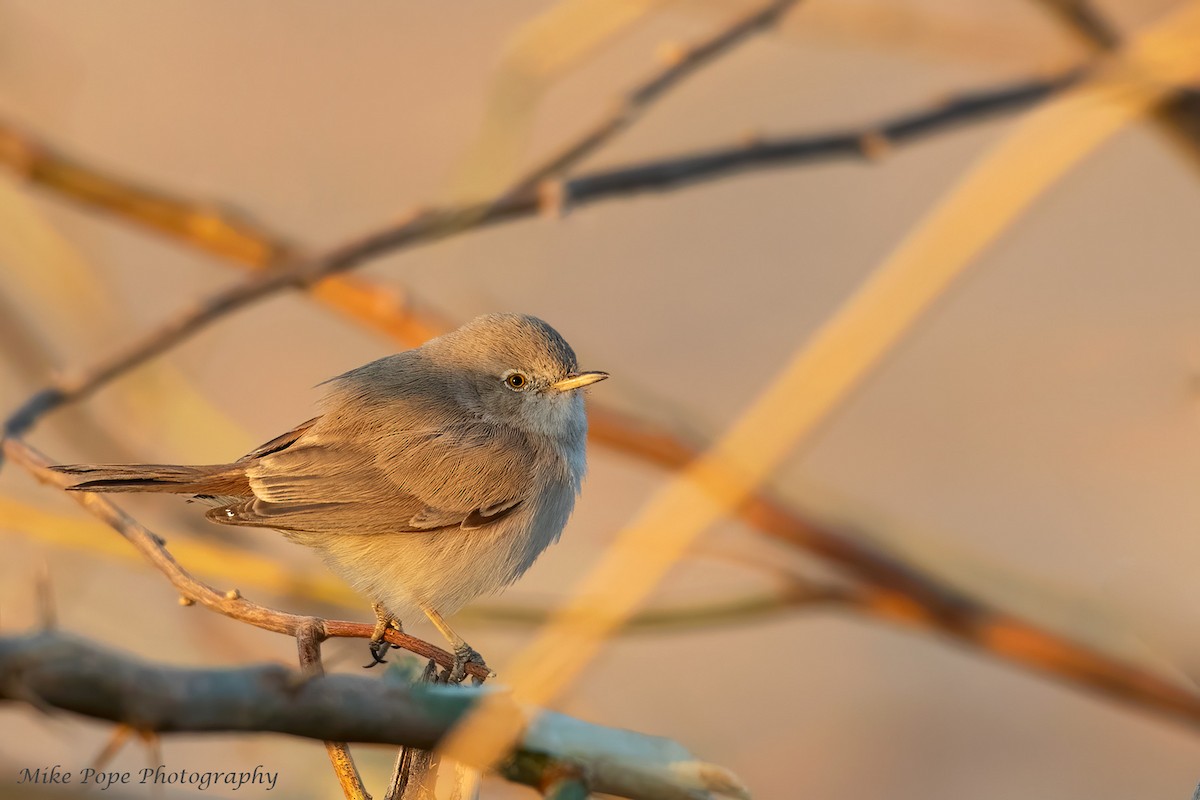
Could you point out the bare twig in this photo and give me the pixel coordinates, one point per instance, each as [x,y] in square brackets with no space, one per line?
[308,644]
[118,739]
[75,675]
[733,612]
[850,143]
[638,99]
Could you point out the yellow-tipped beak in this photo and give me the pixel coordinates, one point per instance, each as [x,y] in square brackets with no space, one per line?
[579,380]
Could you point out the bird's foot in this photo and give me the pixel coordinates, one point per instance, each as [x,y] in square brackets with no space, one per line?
[464,655]
[379,645]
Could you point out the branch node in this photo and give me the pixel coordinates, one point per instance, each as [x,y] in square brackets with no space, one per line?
[874,145]
[552,197]
[19,154]
[750,137]
[672,53]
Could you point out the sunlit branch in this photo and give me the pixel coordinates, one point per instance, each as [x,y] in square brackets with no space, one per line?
[54,671]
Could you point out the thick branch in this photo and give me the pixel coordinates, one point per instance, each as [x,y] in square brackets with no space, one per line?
[54,670]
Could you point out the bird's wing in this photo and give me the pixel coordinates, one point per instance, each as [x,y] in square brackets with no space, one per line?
[281,442]
[360,481]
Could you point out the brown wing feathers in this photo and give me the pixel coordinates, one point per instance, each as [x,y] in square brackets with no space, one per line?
[310,487]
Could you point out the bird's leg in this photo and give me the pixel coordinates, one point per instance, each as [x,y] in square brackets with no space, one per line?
[379,645]
[463,653]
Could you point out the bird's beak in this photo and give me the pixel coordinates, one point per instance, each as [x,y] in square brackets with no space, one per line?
[579,380]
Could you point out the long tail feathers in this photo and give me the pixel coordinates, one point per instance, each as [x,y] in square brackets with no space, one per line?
[220,479]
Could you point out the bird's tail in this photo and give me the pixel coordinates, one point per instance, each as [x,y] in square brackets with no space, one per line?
[218,479]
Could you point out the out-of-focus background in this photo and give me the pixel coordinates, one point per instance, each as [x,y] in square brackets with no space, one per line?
[1036,440]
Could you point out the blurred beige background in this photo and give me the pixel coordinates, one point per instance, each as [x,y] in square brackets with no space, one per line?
[1037,438]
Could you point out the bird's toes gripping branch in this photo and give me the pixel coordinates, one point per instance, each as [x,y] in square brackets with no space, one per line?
[379,645]
[464,655]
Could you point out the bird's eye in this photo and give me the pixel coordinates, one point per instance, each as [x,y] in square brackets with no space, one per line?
[516,381]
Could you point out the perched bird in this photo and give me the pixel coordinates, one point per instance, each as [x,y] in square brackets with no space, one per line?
[431,476]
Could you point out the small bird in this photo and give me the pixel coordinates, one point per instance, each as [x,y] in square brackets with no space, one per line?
[431,476]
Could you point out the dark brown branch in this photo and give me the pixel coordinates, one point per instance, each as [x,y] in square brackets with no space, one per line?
[851,143]
[72,674]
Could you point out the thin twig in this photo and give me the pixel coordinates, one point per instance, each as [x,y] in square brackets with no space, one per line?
[639,99]
[857,143]
[116,741]
[738,611]
[308,645]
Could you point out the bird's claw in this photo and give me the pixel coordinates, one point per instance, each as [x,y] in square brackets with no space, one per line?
[464,654]
[379,645]
[379,649]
